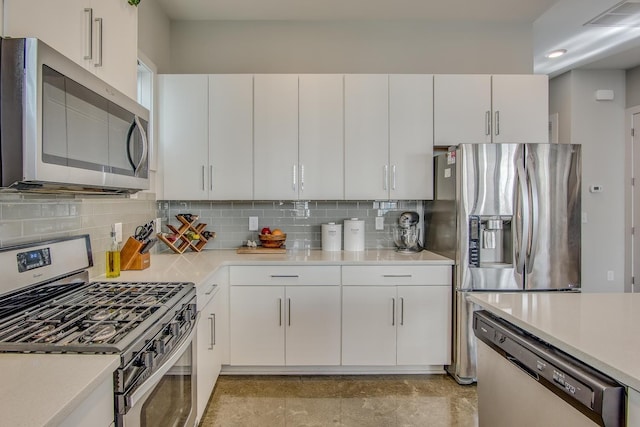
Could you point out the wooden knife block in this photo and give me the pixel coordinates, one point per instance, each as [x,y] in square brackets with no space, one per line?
[131,258]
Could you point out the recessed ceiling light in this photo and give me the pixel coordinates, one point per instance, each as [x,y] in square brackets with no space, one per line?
[556,53]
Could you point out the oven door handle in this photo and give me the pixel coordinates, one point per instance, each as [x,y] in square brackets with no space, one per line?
[145,387]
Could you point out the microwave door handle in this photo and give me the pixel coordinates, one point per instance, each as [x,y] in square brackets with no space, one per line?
[535,202]
[133,398]
[143,135]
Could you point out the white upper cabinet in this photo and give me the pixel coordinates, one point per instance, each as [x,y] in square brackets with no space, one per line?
[411,136]
[206,136]
[275,130]
[388,137]
[321,145]
[231,137]
[366,133]
[462,109]
[485,108]
[184,143]
[520,108]
[101,35]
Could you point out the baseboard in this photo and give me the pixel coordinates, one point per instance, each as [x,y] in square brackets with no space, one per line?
[331,370]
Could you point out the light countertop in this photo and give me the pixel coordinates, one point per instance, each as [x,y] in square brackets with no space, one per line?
[196,267]
[601,329]
[44,389]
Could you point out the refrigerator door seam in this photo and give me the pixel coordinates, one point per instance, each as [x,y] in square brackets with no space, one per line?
[521,253]
[535,202]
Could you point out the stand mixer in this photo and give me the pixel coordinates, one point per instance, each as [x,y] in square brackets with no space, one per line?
[406,235]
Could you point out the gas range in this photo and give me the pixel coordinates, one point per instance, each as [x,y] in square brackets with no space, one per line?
[48,305]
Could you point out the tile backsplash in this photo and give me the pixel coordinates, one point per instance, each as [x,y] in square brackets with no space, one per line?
[34,218]
[301,220]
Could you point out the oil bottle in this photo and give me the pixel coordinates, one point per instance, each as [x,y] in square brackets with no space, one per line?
[113,257]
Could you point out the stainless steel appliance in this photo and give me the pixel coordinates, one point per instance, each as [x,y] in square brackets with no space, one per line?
[48,304]
[526,382]
[406,234]
[509,214]
[62,128]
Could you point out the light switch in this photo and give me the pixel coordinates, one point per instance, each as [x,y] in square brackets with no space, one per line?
[253,223]
[117,228]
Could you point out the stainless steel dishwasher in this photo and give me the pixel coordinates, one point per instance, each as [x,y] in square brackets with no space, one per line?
[525,382]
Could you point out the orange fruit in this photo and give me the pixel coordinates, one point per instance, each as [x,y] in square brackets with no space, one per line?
[277,232]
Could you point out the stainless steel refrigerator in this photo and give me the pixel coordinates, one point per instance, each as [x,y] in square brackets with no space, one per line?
[509,214]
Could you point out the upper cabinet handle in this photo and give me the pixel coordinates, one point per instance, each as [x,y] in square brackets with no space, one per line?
[99,43]
[393,173]
[385,177]
[302,177]
[487,123]
[496,125]
[89,33]
[295,178]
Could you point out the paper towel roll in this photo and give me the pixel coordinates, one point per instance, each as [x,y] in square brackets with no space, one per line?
[331,237]
[353,234]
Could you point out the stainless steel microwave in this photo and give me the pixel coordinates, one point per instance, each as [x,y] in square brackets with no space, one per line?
[63,128]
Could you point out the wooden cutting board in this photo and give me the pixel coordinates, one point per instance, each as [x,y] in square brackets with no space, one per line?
[260,250]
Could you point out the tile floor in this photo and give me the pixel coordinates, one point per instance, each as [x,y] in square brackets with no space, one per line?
[344,401]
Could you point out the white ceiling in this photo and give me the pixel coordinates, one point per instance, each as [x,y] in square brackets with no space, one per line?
[556,23]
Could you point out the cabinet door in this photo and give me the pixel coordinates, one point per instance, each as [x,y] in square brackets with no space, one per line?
[62,24]
[118,64]
[424,325]
[368,325]
[366,100]
[411,136]
[321,145]
[313,325]
[231,137]
[520,108]
[257,325]
[208,366]
[275,137]
[183,141]
[462,109]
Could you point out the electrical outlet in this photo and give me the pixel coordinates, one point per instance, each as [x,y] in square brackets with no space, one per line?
[157,225]
[379,223]
[117,228]
[253,223]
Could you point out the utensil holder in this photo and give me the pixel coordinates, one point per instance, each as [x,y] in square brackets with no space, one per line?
[131,258]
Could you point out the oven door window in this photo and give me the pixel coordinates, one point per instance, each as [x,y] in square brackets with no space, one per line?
[171,401]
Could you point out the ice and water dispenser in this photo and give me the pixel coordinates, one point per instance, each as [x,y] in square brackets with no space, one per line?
[490,241]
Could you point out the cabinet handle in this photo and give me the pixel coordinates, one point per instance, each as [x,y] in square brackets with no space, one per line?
[212,331]
[291,276]
[302,177]
[295,178]
[496,125]
[487,123]
[393,173]
[385,177]
[289,311]
[211,177]
[393,312]
[202,177]
[279,311]
[89,34]
[397,275]
[99,43]
[401,311]
[213,286]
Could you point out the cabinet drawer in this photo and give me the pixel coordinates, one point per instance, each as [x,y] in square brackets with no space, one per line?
[285,275]
[211,287]
[396,275]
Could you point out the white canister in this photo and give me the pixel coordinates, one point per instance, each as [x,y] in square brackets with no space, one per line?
[331,237]
[353,234]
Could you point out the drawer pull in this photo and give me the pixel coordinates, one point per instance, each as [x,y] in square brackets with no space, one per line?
[284,276]
[213,287]
[397,275]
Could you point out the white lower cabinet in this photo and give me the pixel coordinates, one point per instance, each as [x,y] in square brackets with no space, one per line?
[285,316]
[396,316]
[95,410]
[212,336]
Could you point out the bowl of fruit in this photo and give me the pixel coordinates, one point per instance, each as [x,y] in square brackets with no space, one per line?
[272,239]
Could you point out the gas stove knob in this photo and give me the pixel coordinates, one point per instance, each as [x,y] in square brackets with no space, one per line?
[187,314]
[159,347]
[147,359]
[175,328]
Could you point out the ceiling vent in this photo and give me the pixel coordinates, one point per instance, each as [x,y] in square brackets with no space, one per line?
[623,14]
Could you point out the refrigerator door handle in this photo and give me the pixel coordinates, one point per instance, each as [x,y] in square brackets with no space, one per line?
[524,238]
[535,202]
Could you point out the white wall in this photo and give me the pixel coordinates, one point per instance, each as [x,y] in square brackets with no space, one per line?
[560,103]
[154,34]
[599,127]
[633,87]
[348,47]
